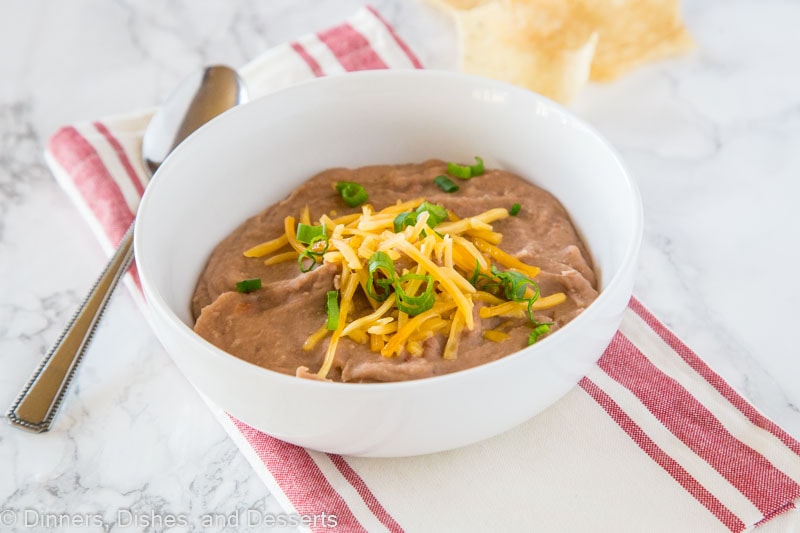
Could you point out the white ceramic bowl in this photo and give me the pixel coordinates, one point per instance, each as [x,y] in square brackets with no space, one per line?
[254,155]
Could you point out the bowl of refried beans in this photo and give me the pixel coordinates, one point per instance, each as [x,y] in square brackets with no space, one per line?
[389,263]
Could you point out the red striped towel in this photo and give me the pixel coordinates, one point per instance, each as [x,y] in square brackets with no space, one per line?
[650,440]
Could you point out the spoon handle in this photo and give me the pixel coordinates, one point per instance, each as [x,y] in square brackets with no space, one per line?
[38,402]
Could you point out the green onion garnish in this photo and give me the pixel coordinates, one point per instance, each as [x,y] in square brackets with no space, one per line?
[353,194]
[466,172]
[410,304]
[514,211]
[514,283]
[445,183]
[311,236]
[306,233]
[460,171]
[380,262]
[401,221]
[323,237]
[436,213]
[248,285]
[475,274]
[477,169]
[332,308]
[515,286]
[537,332]
[307,260]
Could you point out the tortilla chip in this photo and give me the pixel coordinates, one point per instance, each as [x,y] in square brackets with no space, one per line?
[554,46]
[631,32]
[530,44]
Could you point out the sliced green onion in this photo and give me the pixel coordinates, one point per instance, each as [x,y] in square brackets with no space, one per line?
[514,211]
[436,213]
[306,233]
[514,283]
[380,262]
[466,172]
[414,305]
[531,300]
[490,284]
[401,221]
[307,260]
[352,193]
[332,308]
[445,183]
[248,285]
[475,274]
[477,169]
[460,171]
[313,244]
[537,332]
[515,286]
[311,235]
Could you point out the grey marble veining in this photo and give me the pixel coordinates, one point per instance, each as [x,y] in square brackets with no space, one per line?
[711,136]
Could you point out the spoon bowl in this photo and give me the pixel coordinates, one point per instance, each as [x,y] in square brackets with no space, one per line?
[200,97]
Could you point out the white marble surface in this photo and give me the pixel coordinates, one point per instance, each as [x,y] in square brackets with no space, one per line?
[711,136]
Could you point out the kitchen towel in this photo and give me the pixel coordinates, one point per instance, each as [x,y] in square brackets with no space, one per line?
[650,440]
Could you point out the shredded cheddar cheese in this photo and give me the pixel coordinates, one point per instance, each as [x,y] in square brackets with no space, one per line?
[445,262]
[291,235]
[451,348]
[505,259]
[519,309]
[280,258]
[495,336]
[314,338]
[344,308]
[268,247]
[305,216]
[395,344]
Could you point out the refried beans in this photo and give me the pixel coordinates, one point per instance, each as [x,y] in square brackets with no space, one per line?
[270,326]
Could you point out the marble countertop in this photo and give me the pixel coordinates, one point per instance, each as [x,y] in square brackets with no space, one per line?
[712,138]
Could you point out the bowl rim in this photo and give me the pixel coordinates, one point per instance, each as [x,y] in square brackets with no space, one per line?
[157,304]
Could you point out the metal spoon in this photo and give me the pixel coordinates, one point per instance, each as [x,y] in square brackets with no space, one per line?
[198,99]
